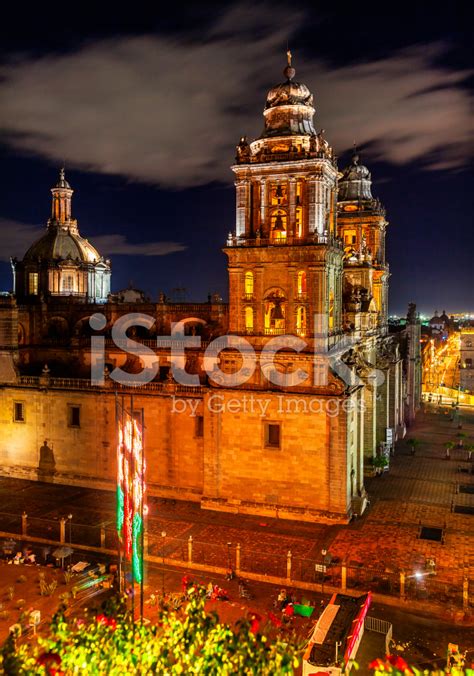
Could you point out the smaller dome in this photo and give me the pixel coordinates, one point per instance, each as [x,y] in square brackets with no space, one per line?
[355,183]
[61,243]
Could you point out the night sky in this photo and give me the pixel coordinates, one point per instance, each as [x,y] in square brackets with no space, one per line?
[145,108]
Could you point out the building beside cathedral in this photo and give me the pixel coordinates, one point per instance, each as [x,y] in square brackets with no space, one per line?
[287,425]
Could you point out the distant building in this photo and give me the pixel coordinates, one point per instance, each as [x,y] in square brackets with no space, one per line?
[466,361]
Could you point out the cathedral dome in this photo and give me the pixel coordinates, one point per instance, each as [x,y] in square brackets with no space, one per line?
[289,93]
[61,263]
[59,243]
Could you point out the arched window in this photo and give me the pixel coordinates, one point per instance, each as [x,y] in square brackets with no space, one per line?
[249,319]
[275,316]
[331,311]
[301,321]
[301,283]
[278,225]
[249,283]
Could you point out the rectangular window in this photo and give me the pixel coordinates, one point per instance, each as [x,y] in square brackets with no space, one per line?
[272,435]
[33,283]
[18,411]
[74,416]
[199,426]
[67,283]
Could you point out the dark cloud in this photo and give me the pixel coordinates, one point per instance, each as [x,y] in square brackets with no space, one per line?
[168,111]
[18,237]
[117,244]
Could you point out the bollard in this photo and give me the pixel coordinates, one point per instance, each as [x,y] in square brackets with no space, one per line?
[288,566]
[343,577]
[402,585]
[465,594]
[24,521]
[62,530]
[102,537]
[237,558]
[190,549]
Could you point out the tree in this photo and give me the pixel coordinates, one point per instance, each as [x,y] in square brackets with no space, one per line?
[414,443]
[449,446]
[192,641]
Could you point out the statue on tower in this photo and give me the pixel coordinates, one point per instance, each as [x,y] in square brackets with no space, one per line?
[243,151]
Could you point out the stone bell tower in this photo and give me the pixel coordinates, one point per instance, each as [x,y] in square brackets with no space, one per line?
[362,227]
[285,261]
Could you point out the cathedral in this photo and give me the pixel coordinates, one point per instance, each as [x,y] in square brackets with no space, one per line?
[284,420]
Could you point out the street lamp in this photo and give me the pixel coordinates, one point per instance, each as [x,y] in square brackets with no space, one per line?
[163,535]
[229,565]
[69,516]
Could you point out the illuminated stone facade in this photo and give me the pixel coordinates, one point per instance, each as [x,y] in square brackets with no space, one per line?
[296,436]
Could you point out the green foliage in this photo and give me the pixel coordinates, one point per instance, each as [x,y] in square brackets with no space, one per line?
[380,461]
[192,641]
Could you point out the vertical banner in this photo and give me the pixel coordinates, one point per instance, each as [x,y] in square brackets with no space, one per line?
[131,488]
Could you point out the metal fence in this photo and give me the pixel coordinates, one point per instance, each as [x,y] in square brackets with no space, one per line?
[443,586]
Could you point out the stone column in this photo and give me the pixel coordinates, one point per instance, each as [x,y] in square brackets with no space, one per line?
[292,210]
[311,197]
[241,208]
[24,521]
[263,206]
[288,566]
[102,536]
[369,418]
[237,558]
[465,594]
[402,585]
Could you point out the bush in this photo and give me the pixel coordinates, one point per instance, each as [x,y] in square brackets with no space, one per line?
[186,642]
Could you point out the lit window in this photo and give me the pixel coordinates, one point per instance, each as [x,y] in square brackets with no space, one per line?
[18,411]
[301,321]
[272,435]
[249,283]
[278,194]
[249,319]
[350,237]
[199,431]
[299,222]
[331,311]
[33,283]
[278,225]
[301,282]
[74,416]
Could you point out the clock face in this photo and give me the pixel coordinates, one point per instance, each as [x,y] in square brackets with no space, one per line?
[350,207]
